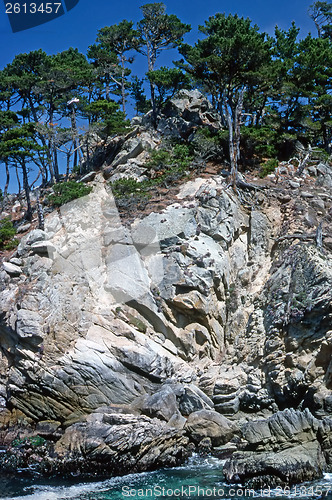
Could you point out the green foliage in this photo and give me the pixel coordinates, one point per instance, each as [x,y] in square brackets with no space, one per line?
[136,322]
[7,233]
[259,142]
[18,144]
[110,59]
[127,186]
[168,81]
[142,104]
[282,84]
[171,165]
[209,145]
[29,442]
[76,169]
[230,57]
[179,157]
[65,192]
[110,120]
[268,167]
[158,31]
[70,70]
[285,46]
[231,61]
[7,119]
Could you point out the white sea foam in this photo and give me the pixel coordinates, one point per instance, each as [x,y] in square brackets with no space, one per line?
[41,492]
[61,492]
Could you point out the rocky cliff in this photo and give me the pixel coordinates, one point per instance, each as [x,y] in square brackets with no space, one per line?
[179,325]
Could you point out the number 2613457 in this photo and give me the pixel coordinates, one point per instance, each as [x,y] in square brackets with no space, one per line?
[32,8]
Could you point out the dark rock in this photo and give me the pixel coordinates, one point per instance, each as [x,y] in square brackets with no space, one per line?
[209,423]
[122,443]
[324,437]
[283,468]
[193,400]
[185,112]
[107,444]
[162,404]
[23,228]
[282,450]
[29,239]
[49,429]
[43,248]
[88,177]
[205,445]
[177,421]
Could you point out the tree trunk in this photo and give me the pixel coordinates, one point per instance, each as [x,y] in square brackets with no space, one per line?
[68,155]
[76,140]
[123,88]
[43,140]
[5,191]
[234,124]
[107,88]
[52,148]
[56,164]
[232,153]
[151,63]
[153,102]
[18,182]
[40,212]
[26,187]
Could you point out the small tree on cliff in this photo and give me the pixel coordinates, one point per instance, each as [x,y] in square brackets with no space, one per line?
[110,53]
[158,31]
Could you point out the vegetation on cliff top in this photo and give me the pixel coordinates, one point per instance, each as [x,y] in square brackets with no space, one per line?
[271,92]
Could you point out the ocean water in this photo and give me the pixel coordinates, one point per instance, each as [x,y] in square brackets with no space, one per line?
[199,478]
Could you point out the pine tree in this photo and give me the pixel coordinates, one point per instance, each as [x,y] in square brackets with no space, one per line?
[158,31]
[110,54]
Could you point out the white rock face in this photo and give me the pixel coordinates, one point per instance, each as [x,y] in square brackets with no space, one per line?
[187,296]
[12,269]
[43,248]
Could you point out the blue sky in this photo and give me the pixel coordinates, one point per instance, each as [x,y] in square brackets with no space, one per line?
[78,27]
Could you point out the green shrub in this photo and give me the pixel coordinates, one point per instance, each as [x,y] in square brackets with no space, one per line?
[268,167]
[11,244]
[178,157]
[159,159]
[208,145]
[108,116]
[171,164]
[76,169]
[31,441]
[259,142]
[127,186]
[68,191]
[7,233]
